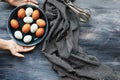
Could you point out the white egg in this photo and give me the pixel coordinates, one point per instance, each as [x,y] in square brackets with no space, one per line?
[27,38]
[33,28]
[18,35]
[29,11]
[28,19]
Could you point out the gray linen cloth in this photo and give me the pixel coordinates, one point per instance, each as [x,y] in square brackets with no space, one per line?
[62,49]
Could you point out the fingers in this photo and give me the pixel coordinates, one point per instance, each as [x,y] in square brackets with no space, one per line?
[21,4]
[26,49]
[33,1]
[18,55]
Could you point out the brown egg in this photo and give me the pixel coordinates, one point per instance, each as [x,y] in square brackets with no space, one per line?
[35,14]
[40,32]
[41,23]
[21,13]
[14,23]
[26,28]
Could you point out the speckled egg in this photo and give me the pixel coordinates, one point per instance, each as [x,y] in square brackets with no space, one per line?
[33,28]
[35,14]
[28,19]
[27,39]
[40,32]
[21,13]
[41,23]
[29,11]
[14,23]
[26,28]
[18,35]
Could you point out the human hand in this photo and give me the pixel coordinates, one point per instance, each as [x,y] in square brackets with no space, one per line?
[22,2]
[15,48]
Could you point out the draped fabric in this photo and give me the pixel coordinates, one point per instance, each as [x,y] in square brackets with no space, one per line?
[62,49]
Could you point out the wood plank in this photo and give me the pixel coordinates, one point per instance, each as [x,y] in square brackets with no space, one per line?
[99,37]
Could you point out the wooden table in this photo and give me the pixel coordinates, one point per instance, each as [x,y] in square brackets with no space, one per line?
[99,37]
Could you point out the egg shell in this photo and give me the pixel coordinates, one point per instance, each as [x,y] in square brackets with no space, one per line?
[41,23]
[18,35]
[14,23]
[29,11]
[27,39]
[33,28]
[26,28]
[35,14]
[21,13]
[39,32]
[28,19]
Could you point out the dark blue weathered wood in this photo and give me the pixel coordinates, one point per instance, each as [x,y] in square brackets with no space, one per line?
[33,67]
[99,37]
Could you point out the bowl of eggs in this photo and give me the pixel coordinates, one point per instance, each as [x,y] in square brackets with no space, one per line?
[27,25]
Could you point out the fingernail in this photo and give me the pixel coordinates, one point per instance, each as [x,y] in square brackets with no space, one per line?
[22,56]
[36,5]
[34,47]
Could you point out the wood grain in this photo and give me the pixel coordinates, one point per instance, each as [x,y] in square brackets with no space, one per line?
[99,37]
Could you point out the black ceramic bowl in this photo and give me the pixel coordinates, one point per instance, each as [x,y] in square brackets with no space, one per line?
[35,40]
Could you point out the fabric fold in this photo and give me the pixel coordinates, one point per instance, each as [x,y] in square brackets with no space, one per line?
[62,49]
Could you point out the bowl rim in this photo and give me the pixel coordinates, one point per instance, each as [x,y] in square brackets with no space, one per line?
[27,44]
